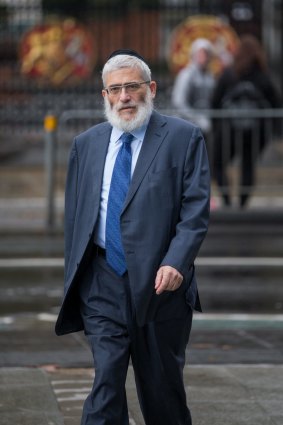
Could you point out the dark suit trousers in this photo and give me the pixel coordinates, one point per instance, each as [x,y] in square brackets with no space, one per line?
[157,352]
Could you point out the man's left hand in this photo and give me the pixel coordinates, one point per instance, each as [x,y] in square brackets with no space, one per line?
[167,279]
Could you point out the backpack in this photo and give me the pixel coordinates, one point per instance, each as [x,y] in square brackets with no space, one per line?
[245,95]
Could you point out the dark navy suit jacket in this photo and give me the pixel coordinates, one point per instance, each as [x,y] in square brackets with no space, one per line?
[163,222]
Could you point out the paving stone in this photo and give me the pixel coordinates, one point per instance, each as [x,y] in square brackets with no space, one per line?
[26,398]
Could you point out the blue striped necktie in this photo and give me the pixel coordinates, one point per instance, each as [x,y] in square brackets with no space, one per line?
[120,181]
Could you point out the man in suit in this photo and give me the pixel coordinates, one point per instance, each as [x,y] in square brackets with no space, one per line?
[137,208]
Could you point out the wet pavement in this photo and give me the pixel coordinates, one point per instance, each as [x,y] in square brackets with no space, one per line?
[217,395]
[27,398]
[233,375]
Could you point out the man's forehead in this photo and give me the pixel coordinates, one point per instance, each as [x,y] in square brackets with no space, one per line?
[123,75]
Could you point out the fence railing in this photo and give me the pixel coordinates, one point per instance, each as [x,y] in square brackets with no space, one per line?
[245,151]
[235,135]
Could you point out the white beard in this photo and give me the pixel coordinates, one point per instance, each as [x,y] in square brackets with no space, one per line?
[144,110]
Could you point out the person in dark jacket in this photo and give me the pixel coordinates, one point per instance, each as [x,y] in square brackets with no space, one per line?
[247,84]
[136,213]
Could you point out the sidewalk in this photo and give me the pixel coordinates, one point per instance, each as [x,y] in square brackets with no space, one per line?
[27,398]
[233,375]
[217,395]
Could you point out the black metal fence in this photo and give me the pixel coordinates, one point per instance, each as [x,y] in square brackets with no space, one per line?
[34,78]
[246,160]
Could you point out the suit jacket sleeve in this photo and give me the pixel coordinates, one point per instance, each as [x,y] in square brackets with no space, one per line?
[70,202]
[194,214]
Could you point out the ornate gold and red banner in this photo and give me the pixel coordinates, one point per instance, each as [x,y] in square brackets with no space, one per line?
[218,32]
[58,53]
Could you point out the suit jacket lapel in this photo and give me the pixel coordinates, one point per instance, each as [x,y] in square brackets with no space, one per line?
[155,134]
[98,155]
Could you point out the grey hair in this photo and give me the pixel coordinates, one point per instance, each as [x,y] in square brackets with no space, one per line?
[126,61]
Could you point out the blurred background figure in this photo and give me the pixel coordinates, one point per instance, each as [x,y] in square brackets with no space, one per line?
[245,85]
[194,85]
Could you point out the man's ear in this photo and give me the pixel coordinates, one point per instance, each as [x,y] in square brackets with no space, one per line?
[153,87]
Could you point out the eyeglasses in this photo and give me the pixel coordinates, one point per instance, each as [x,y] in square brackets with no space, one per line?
[129,87]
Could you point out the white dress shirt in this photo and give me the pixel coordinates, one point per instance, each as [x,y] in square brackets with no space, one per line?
[113,149]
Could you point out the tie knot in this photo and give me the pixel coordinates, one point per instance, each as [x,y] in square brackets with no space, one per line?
[127,138]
